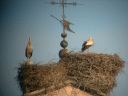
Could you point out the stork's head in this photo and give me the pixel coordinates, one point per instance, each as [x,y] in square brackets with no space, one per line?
[90,38]
[29,41]
[90,41]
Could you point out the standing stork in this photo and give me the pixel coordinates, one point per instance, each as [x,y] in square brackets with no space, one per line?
[29,51]
[87,44]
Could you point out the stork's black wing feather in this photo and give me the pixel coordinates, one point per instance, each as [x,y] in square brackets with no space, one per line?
[83,46]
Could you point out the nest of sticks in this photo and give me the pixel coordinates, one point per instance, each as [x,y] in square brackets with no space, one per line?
[90,72]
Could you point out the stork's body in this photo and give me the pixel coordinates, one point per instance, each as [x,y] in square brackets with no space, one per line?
[87,44]
[29,49]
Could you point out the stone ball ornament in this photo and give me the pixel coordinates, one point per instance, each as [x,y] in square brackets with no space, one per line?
[63,35]
[63,52]
[64,43]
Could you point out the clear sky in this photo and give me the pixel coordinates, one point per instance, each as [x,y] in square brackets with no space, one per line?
[105,20]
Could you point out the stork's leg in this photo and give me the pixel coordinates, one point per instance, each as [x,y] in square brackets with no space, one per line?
[88,50]
[29,61]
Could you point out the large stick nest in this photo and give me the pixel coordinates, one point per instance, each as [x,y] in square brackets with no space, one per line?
[93,73]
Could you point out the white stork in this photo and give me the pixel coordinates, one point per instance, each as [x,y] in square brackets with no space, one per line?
[87,44]
[29,49]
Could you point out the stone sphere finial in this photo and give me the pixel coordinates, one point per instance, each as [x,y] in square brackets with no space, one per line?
[63,52]
[63,35]
[64,43]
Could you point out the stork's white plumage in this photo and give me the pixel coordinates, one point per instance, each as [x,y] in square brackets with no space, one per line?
[87,44]
[29,49]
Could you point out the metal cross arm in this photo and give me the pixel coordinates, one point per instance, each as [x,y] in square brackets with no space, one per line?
[72,3]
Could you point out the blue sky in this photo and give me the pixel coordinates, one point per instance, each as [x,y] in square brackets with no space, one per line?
[105,20]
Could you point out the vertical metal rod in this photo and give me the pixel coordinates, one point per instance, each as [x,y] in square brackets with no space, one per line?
[63,14]
[63,17]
